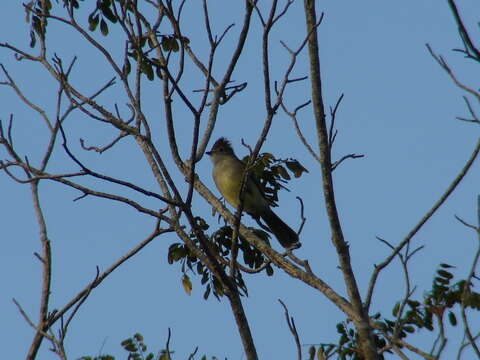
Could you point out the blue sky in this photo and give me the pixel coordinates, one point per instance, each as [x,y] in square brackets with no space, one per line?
[399,111]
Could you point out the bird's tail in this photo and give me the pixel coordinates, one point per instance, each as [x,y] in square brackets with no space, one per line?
[284,233]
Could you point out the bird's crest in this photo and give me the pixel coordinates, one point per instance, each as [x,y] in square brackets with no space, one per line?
[222,145]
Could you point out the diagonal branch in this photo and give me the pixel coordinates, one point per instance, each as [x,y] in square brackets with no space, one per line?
[42,325]
[100,278]
[293,330]
[423,220]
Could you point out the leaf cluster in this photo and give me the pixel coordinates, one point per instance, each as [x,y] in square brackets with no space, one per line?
[137,350]
[102,13]
[220,243]
[36,11]
[151,66]
[441,299]
[348,348]
[272,174]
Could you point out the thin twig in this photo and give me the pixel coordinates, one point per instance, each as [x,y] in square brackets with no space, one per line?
[293,330]
[100,278]
[46,276]
[378,268]
[302,216]
[468,281]
[167,345]
[441,61]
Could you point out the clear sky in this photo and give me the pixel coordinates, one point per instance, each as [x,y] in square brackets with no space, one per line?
[399,111]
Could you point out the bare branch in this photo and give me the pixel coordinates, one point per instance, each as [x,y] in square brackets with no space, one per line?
[475,118]
[102,148]
[423,220]
[302,216]
[99,278]
[469,46]
[20,94]
[345,157]
[46,274]
[293,329]
[441,61]
[468,281]
[293,116]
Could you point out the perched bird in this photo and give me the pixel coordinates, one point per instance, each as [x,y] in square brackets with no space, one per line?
[228,171]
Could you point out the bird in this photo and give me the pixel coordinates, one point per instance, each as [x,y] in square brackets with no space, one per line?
[228,172]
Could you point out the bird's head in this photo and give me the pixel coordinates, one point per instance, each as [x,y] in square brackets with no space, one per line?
[221,146]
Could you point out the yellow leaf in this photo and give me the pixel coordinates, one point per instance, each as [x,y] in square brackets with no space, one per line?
[187,284]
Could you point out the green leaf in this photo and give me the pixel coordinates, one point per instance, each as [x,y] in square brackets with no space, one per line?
[446,266]
[204,278]
[131,347]
[248,257]
[127,67]
[395,309]
[176,252]
[187,284]
[445,274]
[93,22]
[376,316]
[108,13]
[442,280]
[104,27]
[217,287]
[37,26]
[166,43]
[147,69]
[175,46]
[280,170]
[413,303]
[126,342]
[207,292]
[33,39]
[381,325]
[321,354]
[28,11]
[409,329]
[269,270]
[296,168]
[452,318]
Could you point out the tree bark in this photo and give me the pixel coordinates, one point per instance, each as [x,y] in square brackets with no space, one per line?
[242,325]
[367,344]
